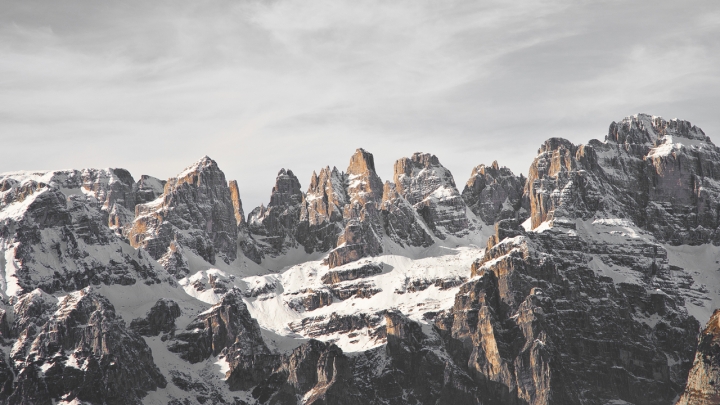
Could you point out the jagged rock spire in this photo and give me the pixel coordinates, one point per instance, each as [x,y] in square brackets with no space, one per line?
[274,226]
[363,230]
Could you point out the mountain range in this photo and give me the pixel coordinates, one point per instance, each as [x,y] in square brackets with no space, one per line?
[592,279]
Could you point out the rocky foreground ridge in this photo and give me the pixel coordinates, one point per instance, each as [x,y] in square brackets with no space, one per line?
[584,282]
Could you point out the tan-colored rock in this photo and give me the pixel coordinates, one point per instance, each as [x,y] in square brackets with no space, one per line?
[237,202]
[363,231]
[703,385]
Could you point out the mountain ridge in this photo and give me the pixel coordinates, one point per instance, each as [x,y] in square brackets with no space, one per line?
[583,282]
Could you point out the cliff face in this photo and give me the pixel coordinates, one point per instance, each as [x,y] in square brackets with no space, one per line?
[494,193]
[660,174]
[275,226]
[363,231]
[430,188]
[703,382]
[583,284]
[77,349]
[403,224]
[195,211]
[321,218]
[57,232]
[542,323]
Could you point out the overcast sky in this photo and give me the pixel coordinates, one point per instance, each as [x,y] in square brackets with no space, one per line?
[260,85]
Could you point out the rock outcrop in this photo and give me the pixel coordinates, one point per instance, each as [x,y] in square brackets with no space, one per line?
[337,276]
[321,218]
[227,330]
[662,175]
[363,231]
[274,227]
[403,225]
[81,352]
[494,193]
[317,372]
[196,211]
[431,190]
[160,319]
[703,384]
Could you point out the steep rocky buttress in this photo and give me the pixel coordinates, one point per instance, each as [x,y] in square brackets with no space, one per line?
[585,282]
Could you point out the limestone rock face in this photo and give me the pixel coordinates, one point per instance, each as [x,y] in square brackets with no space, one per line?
[318,371]
[494,193]
[122,215]
[196,211]
[274,227]
[227,330]
[660,174]
[55,233]
[364,229]
[418,369]
[703,385]
[562,183]
[81,352]
[411,368]
[160,319]
[542,327]
[236,202]
[402,223]
[430,189]
[321,218]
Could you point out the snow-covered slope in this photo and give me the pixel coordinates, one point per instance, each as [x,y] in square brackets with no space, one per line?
[589,287]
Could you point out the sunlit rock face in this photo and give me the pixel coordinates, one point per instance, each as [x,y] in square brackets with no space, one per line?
[703,384]
[542,326]
[195,211]
[586,283]
[662,175]
[363,232]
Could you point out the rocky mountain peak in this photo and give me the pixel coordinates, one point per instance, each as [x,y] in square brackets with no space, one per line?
[275,226]
[650,130]
[361,161]
[494,193]
[286,191]
[196,211]
[325,197]
[364,185]
[430,188]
